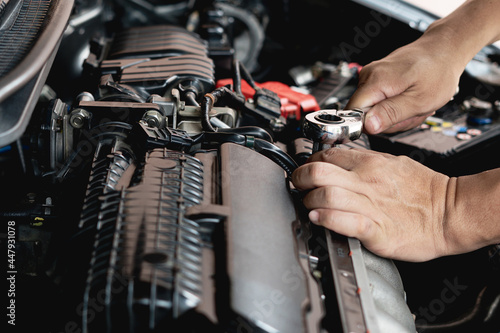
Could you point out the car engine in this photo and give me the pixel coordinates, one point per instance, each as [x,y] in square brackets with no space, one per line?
[146,154]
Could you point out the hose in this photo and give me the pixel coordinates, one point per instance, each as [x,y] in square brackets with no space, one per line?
[266,148]
[210,99]
[254,131]
[209,139]
[276,155]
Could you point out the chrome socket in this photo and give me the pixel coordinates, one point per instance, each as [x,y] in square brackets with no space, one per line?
[327,128]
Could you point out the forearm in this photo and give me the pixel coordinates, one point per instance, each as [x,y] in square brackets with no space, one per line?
[473,25]
[472,218]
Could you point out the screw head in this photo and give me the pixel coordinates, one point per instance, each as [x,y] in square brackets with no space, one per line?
[78,118]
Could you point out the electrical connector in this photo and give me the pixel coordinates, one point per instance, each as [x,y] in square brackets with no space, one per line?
[267,101]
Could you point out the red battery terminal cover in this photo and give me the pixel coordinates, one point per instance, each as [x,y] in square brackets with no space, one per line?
[355,65]
[293,103]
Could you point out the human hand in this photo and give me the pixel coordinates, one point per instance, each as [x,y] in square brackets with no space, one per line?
[393,205]
[407,86]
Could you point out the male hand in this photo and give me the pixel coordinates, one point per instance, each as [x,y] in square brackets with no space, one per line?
[393,205]
[407,86]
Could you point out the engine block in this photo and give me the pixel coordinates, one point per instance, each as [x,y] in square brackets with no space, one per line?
[166,178]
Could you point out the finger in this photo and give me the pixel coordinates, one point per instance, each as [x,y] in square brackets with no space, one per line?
[346,223]
[369,232]
[339,198]
[317,174]
[408,124]
[366,95]
[347,159]
[390,112]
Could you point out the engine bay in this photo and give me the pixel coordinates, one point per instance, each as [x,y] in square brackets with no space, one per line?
[146,154]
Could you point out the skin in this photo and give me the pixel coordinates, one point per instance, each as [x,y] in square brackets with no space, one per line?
[413,81]
[395,206]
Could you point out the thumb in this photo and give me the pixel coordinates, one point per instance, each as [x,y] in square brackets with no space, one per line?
[390,112]
[367,96]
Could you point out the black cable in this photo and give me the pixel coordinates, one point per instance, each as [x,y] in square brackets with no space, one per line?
[233,98]
[210,99]
[266,148]
[239,72]
[210,139]
[254,131]
[122,92]
[245,74]
[206,105]
[237,77]
[276,155]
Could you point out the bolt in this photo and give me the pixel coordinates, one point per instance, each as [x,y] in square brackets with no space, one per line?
[154,119]
[277,125]
[78,118]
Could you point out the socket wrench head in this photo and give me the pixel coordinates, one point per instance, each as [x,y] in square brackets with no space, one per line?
[331,127]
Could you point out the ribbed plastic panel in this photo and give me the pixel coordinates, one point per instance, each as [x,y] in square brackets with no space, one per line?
[152,58]
[165,68]
[20,24]
[146,260]
[156,41]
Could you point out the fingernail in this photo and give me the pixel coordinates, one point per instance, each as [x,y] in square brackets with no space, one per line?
[372,122]
[313,216]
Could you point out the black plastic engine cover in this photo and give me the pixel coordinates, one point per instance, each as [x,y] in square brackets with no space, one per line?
[215,235]
[268,286]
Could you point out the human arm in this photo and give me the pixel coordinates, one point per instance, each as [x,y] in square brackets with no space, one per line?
[415,80]
[399,208]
